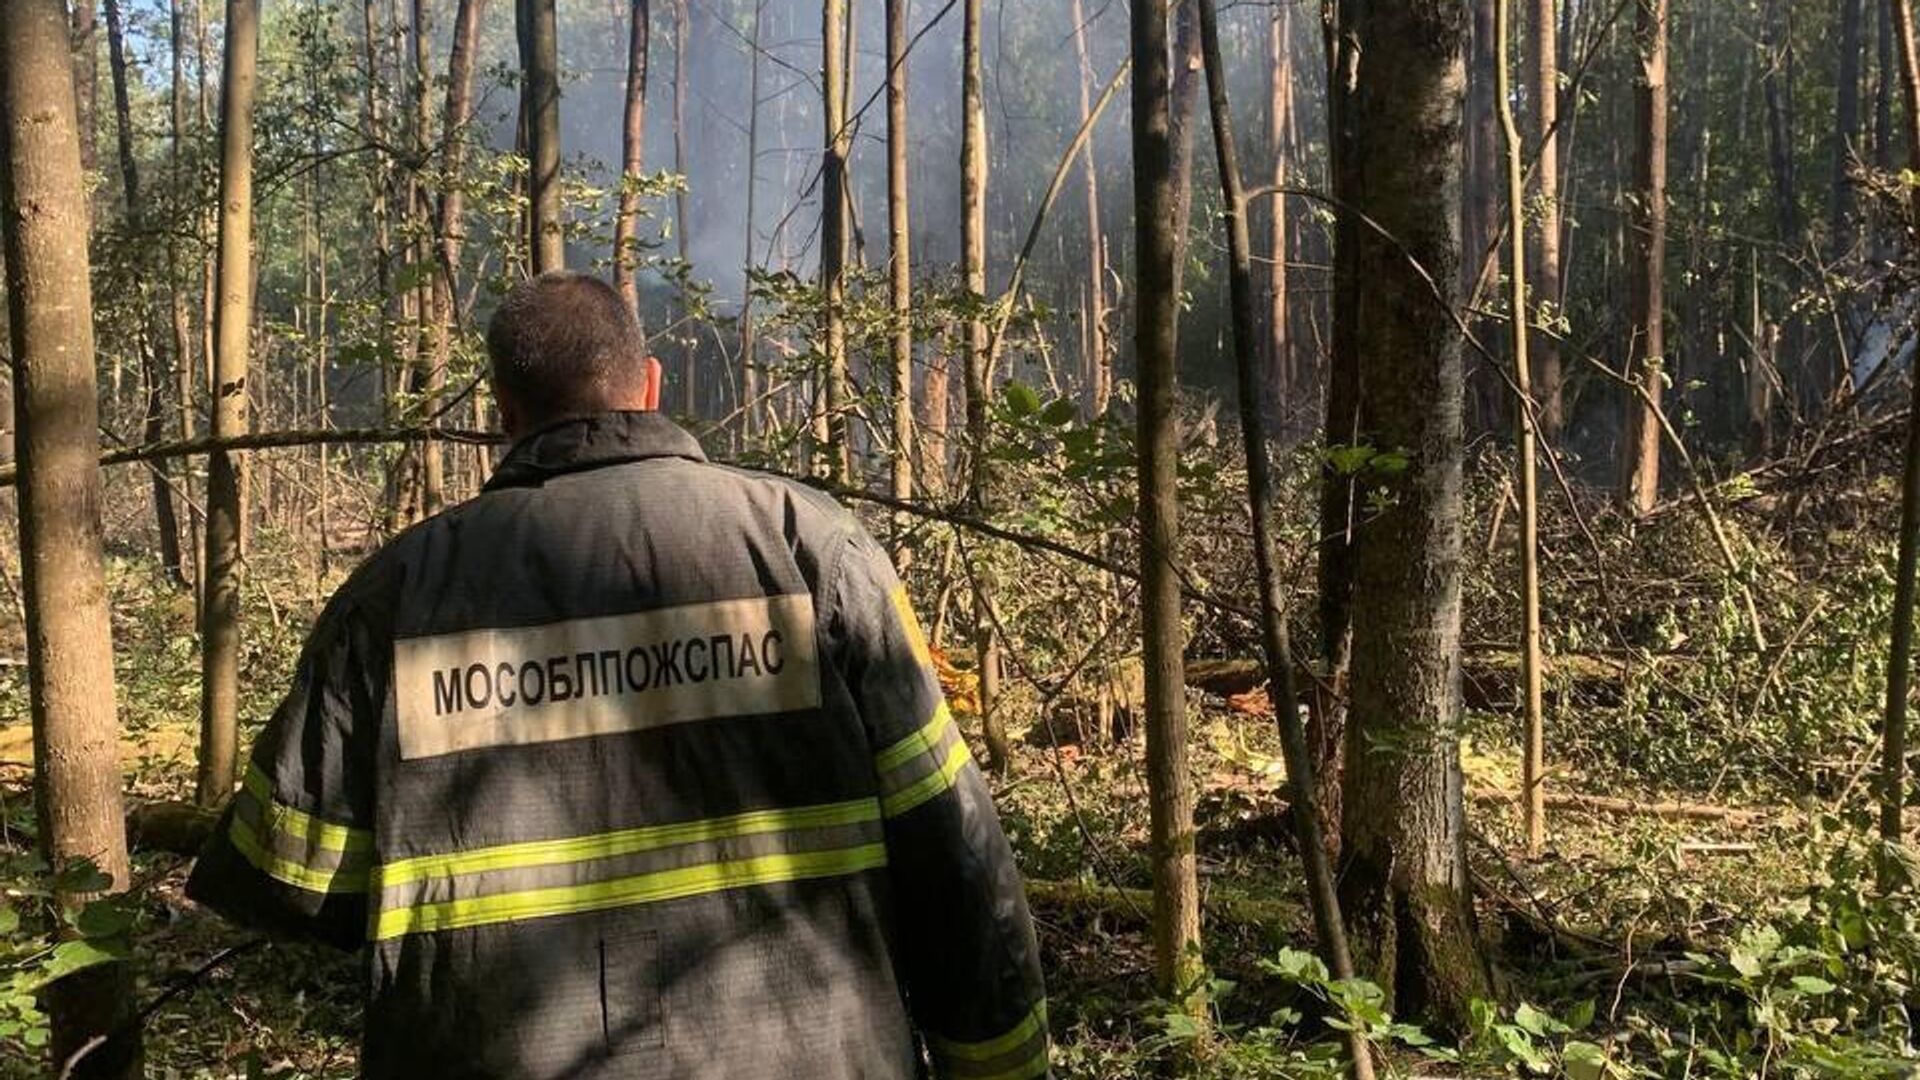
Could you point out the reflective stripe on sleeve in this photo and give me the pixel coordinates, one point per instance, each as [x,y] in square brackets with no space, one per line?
[922,765]
[294,847]
[629,867]
[1018,1054]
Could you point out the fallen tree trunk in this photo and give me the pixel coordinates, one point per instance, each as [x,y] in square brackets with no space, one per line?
[1084,899]
[180,828]
[1603,804]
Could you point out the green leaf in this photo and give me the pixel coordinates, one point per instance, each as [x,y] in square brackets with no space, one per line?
[1580,1017]
[9,919]
[1584,1061]
[1813,985]
[103,918]
[78,955]
[1059,412]
[81,876]
[1022,400]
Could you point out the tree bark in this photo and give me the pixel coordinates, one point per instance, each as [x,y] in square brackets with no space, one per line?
[833,234]
[1277,386]
[86,79]
[63,571]
[1329,929]
[1176,893]
[153,334]
[233,313]
[1533,763]
[973,260]
[450,225]
[1640,461]
[1544,57]
[540,102]
[431,319]
[1099,359]
[1893,759]
[1404,888]
[1846,135]
[899,269]
[633,142]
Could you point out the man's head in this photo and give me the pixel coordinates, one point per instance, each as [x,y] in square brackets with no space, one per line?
[563,345]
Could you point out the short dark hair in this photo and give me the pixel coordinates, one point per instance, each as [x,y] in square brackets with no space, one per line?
[562,343]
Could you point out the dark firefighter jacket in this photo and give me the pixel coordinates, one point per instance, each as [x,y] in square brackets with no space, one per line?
[636,766]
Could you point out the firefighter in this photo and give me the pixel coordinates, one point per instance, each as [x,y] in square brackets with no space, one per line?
[634,766]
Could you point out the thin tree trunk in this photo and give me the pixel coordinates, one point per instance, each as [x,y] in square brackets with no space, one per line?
[751,407]
[1893,759]
[899,269]
[1328,927]
[1186,96]
[450,226]
[429,373]
[1176,892]
[1277,386]
[833,235]
[633,143]
[682,213]
[153,334]
[63,571]
[1099,359]
[220,619]
[540,98]
[86,79]
[1640,464]
[1533,765]
[973,259]
[1546,276]
[1846,135]
[1404,888]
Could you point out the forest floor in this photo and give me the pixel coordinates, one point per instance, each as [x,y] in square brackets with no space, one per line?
[1612,917]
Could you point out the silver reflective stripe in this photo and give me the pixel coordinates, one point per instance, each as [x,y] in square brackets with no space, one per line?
[605,675]
[630,866]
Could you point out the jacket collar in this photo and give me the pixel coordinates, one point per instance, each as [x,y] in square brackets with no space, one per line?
[590,442]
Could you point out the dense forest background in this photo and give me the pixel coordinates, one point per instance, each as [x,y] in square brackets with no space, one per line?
[1520,394]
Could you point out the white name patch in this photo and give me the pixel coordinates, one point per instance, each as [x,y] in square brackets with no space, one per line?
[604,675]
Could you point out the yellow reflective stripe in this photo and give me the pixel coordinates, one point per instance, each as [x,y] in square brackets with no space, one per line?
[285,820]
[622,892]
[910,626]
[920,742]
[625,842]
[1027,1028]
[343,879]
[930,785]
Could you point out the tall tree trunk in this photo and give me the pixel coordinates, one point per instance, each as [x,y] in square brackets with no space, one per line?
[833,234]
[633,143]
[1640,462]
[1893,759]
[220,618]
[1846,135]
[429,375]
[186,361]
[1404,888]
[899,269]
[1544,57]
[682,213]
[1176,893]
[1533,765]
[540,103]
[1099,358]
[86,78]
[1329,929]
[973,260]
[1887,66]
[1479,216]
[1186,96]
[450,226]
[63,572]
[751,407]
[153,334]
[1277,386]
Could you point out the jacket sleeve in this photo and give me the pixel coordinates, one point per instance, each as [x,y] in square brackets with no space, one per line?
[292,851]
[966,947]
